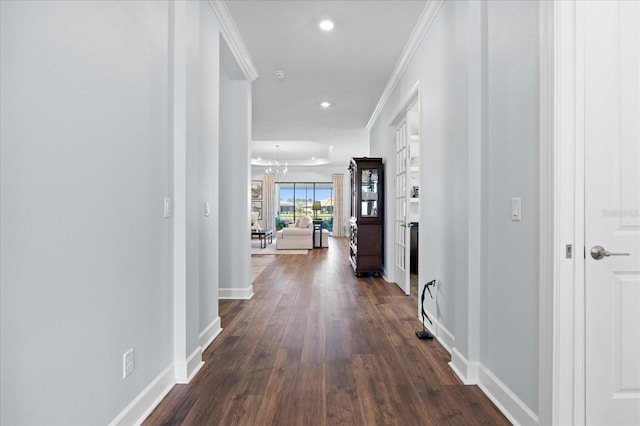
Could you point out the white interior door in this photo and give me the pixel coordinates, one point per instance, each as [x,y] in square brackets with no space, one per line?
[402,230]
[612,206]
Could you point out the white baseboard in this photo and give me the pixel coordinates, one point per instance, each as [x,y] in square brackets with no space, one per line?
[210,333]
[511,406]
[474,373]
[465,370]
[235,293]
[440,332]
[143,404]
[194,363]
[186,370]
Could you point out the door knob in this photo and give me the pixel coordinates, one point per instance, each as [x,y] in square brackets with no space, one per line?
[598,252]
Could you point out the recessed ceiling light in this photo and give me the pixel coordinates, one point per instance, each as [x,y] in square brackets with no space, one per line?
[326,25]
[325,104]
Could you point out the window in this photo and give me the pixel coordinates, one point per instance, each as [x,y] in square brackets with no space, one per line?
[295,200]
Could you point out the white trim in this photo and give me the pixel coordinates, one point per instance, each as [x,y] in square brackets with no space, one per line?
[546,309]
[474,373]
[561,306]
[465,370]
[440,332]
[210,333]
[507,402]
[236,293]
[573,223]
[179,131]
[476,140]
[385,277]
[412,99]
[424,22]
[445,336]
[194,364]
[186,370]
[147,400]
[234,39]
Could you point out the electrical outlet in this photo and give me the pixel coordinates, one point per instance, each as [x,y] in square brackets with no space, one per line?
[128,363]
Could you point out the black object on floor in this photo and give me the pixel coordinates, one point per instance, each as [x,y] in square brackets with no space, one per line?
[424,334]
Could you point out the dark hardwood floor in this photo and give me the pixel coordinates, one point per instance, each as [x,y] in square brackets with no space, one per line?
[317,345]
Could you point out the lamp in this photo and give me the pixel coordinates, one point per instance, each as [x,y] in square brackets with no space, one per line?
[279,174]
[316,206]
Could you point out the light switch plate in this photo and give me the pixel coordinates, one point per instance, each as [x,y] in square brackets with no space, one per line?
[168,207]
[128,363]
[207,209]
[516,209]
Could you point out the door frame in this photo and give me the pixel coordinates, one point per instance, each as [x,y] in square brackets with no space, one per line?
[412,99]
[562,390]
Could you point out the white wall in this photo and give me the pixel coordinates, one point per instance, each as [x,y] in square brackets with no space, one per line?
[86,266]
[511,312]
[193,209]
[478,73]
[209,182]
[234,175]
[107,108]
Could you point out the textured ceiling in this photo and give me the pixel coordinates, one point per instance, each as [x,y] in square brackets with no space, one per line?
[348,66]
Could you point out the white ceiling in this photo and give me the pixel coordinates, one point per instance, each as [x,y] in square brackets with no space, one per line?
[348,66]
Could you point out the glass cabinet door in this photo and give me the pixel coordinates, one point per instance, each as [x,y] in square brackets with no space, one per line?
[369,193]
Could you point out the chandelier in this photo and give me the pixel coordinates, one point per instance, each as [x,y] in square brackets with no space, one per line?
[279,174]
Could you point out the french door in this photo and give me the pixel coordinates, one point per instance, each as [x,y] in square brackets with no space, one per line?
[402,230]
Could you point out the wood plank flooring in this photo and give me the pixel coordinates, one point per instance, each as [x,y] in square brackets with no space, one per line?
[317,345]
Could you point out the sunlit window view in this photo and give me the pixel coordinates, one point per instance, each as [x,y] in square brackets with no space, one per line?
[298,199]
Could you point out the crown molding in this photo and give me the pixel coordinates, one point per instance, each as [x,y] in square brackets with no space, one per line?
[422,26]
[234,39]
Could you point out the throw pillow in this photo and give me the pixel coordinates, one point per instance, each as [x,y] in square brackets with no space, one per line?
[305,222]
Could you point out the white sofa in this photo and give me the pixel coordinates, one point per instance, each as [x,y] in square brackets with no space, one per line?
[294,238]
[299,236]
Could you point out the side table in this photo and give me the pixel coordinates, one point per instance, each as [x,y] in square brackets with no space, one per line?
[317,227]
[263,235]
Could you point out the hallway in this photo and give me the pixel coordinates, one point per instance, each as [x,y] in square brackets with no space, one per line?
[318,346]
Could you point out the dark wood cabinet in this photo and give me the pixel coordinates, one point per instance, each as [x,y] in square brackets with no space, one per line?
[367,215]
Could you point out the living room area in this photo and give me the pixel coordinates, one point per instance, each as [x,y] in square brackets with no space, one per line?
[296,210]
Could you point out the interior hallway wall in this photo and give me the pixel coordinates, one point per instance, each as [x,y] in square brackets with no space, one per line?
[478,72]
[234,175]
[92,95]
[209,115]
[85,165]
[510,314]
